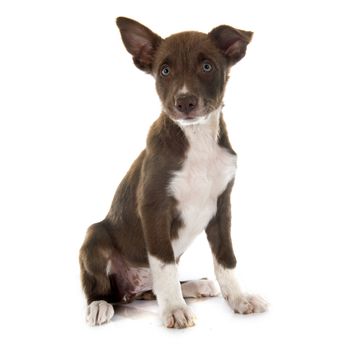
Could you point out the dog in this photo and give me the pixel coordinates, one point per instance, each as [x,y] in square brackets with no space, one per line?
[178,187]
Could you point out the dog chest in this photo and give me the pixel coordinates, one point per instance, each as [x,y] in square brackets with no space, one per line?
[205,174]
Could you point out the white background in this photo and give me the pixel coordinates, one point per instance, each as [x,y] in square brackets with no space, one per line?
[75,113]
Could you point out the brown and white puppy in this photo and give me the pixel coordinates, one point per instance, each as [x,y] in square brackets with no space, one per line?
[179,185]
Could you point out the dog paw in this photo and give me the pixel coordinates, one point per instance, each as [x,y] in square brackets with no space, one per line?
[180,317]
[248,304]
[199,289]
[99,312]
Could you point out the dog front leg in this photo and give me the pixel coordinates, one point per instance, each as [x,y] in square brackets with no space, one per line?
[219,237]
[166,285]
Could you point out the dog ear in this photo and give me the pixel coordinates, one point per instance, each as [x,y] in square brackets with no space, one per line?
[140,41]
[231,41]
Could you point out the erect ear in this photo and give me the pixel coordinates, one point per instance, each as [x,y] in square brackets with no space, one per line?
[140,41]
[232,42]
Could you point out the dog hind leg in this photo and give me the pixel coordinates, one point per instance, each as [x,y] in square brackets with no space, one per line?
[190,289]
[94,256]
[199,289]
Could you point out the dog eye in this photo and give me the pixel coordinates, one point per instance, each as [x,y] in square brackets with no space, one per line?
[207,67]
[165,70]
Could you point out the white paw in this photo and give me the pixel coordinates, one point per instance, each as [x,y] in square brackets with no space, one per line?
[199,289]
[99,312]
[248,304]
[180,317]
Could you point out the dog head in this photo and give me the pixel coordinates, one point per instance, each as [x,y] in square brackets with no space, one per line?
[190,68]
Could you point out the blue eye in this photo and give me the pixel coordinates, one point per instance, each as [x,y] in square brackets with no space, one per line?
[207,67]
[165,70]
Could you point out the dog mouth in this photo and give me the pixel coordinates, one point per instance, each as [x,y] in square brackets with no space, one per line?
[192,120]
[197,116]
[189,119]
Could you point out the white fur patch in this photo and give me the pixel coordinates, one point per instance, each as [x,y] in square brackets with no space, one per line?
[199,289]
[227,280]
[205,174]
[183,90]
[166,286]
[109,267]
[193,121]
[99,312]
[231,291]
[249,304]
[179,318]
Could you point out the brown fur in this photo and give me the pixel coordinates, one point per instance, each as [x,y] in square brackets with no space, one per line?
[143,218]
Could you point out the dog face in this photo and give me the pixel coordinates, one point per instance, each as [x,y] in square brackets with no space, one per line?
[190,76]
[190,68]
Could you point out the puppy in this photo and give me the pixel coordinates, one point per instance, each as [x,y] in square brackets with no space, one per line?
[179,186]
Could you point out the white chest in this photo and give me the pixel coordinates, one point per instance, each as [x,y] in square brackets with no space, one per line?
[205,174]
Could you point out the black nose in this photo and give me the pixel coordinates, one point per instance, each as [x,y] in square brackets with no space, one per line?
[186,103]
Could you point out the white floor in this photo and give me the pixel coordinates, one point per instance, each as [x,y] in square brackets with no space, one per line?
[290,324]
